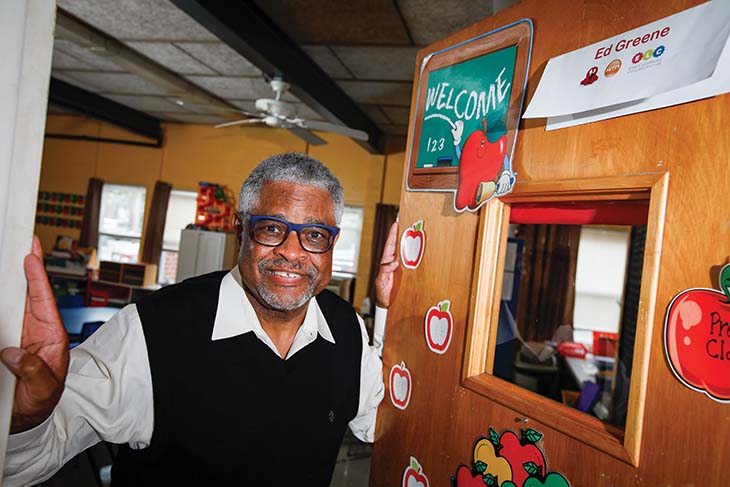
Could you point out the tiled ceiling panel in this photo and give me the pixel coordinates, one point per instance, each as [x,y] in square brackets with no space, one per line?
[221,58]
[368,46]
[147,103]
[169,56]
[398,115]
[379,63]
[116,83]
[355,22]
[303,111]
[237,88]
[429,20]
[142,20]
[326,59]
[66,61]
[378,93]
[95,59]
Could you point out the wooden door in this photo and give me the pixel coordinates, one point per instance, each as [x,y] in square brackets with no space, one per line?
[675,159]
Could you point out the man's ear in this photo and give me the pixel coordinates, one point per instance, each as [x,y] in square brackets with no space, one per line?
[238,226]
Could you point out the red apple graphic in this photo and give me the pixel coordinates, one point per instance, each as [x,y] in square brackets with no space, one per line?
[480,161]
[439,326]
[523,455]
[413,245]
[400,386]
[697,338]
[464,478]
[413,475]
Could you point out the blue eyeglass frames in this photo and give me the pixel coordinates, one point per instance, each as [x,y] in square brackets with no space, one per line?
[272,232]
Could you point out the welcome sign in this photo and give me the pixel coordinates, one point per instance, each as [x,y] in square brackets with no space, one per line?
[469,100]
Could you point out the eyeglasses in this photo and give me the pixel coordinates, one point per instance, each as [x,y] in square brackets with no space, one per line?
[272,232]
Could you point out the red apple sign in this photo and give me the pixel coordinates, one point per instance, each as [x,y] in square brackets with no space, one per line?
[413,475]
[400,386]
[480,161]
[413,245]
[697,338]
[439,326]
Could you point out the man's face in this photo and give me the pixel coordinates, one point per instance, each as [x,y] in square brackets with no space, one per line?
[286,277]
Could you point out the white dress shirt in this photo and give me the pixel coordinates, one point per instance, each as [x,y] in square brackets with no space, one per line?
[108,394]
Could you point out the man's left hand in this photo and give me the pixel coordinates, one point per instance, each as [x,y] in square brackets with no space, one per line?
[386,282]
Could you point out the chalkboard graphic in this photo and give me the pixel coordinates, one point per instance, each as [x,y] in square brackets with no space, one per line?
[468,104]
[508,460]
[697,338]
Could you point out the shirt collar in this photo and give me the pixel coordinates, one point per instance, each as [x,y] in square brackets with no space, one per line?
[235,315]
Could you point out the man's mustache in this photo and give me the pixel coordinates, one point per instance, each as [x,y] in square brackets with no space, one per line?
[269,265]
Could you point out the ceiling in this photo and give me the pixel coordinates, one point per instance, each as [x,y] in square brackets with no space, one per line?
[349,62]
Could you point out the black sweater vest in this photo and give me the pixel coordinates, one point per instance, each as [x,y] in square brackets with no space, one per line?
[231,412]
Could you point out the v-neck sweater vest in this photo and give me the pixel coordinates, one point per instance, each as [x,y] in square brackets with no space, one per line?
[232,412]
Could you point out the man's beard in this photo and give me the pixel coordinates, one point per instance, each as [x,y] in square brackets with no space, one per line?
[281,302]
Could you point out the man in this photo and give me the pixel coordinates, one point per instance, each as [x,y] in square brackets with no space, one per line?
[231,378]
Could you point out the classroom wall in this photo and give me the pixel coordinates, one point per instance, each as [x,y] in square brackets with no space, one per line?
[193,153]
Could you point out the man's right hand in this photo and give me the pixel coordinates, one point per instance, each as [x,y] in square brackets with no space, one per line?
[41,364]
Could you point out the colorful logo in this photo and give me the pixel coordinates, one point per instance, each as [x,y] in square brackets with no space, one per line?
[591,76]
[507,460]
[439,326]
[613,68]
[400,386]
[697,338]
[413,475]
[648,54]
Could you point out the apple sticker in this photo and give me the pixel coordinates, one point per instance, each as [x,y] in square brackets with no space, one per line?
[439,326]
[413,245]
[413,475]
[400,386]
[697,338]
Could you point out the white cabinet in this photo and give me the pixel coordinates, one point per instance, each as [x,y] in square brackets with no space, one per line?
[202,252]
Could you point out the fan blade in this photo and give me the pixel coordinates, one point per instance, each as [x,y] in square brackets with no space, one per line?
[307,135]
[331,127]
[240,122]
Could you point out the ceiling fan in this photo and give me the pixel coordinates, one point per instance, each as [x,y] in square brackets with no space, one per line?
[278,113]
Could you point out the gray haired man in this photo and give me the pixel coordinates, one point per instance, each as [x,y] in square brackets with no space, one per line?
[231,378]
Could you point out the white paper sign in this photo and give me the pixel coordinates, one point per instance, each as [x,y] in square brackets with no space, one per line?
[622,72]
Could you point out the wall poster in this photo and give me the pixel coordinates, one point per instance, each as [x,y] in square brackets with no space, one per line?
[467,112]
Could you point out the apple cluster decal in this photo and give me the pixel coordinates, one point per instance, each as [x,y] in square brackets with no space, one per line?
[508,460]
